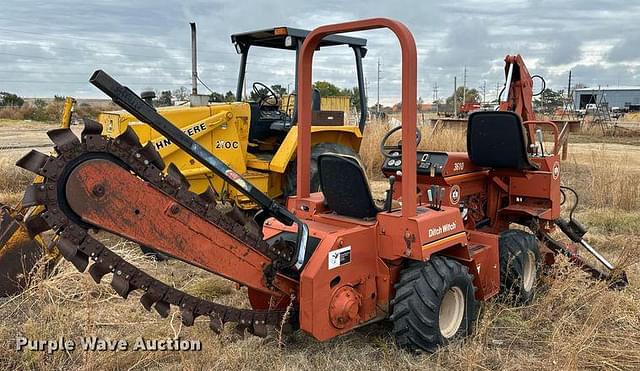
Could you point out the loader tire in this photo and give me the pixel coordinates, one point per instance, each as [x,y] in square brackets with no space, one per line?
[290,182]
[434,304]
[519,266]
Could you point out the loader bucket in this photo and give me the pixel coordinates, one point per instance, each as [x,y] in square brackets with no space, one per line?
[19,253]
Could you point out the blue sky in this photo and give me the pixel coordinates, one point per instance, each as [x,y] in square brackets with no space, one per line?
[51,47]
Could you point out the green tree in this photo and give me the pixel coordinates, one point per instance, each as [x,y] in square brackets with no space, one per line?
[472,96]
[216,97]
[181,93]
[548,101]
[327,89]
[254,97]
[354,96]
[279,89]
[40,111]
[165,98]
[10,99]
[229,96]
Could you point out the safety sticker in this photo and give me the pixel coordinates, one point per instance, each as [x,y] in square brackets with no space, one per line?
[454,195]
[556,170]
[339,257]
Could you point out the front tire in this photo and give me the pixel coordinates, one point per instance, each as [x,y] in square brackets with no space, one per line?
[434,304]
[519,266]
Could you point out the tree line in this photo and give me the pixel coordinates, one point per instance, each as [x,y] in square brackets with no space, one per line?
[327,89]
[548,101]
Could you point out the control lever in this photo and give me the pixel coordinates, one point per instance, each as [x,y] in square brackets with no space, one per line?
[389,199]
[540,137]
[436,195]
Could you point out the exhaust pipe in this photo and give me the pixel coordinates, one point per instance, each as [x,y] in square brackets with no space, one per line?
[194,60]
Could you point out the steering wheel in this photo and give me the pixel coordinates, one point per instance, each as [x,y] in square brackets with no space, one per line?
[386,150]
[263,92]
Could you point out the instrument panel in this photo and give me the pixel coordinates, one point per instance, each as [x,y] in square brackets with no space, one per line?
[433,164]
[428,163]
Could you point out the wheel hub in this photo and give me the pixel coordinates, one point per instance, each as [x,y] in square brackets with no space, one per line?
[451,312]
[529,271]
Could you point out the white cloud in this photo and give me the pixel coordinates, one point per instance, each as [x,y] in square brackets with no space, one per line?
[48,49]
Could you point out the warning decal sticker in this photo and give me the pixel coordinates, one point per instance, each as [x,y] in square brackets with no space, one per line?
[339,257]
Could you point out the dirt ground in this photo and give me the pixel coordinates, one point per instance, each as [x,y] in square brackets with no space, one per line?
[574,323]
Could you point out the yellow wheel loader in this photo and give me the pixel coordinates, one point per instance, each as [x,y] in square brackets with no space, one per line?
[256,139]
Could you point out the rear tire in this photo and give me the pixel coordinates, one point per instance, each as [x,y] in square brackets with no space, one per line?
[434,304]
[519,266]
[289,186]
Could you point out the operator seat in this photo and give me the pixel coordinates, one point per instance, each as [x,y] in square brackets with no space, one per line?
[345,186]
[497,139]
[270,120]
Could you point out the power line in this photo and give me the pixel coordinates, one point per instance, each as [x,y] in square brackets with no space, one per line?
[138,45]
[35,82]
[138,75]
[279,62]
[322,53]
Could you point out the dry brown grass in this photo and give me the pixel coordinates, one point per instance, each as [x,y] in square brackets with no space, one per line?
[441,139]
[574,323]
[605,180]
[13,180]
[52,111]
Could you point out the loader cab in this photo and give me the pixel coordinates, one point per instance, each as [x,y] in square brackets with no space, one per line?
[271,117]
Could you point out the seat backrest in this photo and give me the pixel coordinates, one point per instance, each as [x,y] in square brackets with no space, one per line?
[345,186]
[497,139]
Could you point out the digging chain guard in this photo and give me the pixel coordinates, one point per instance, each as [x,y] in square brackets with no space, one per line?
[77,245]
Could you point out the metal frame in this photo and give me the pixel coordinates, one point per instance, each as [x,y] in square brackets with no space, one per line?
[244,42]
[409,108]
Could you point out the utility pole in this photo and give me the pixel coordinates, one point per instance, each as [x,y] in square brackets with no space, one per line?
[464,86]
[498,91]
[435,96]
[366,88]
[569,86]
[455,98]
[378,102]
[484,92]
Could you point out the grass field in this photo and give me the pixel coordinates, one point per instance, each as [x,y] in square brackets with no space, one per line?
[574,323]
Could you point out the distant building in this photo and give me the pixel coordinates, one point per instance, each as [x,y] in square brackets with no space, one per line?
[622,97]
